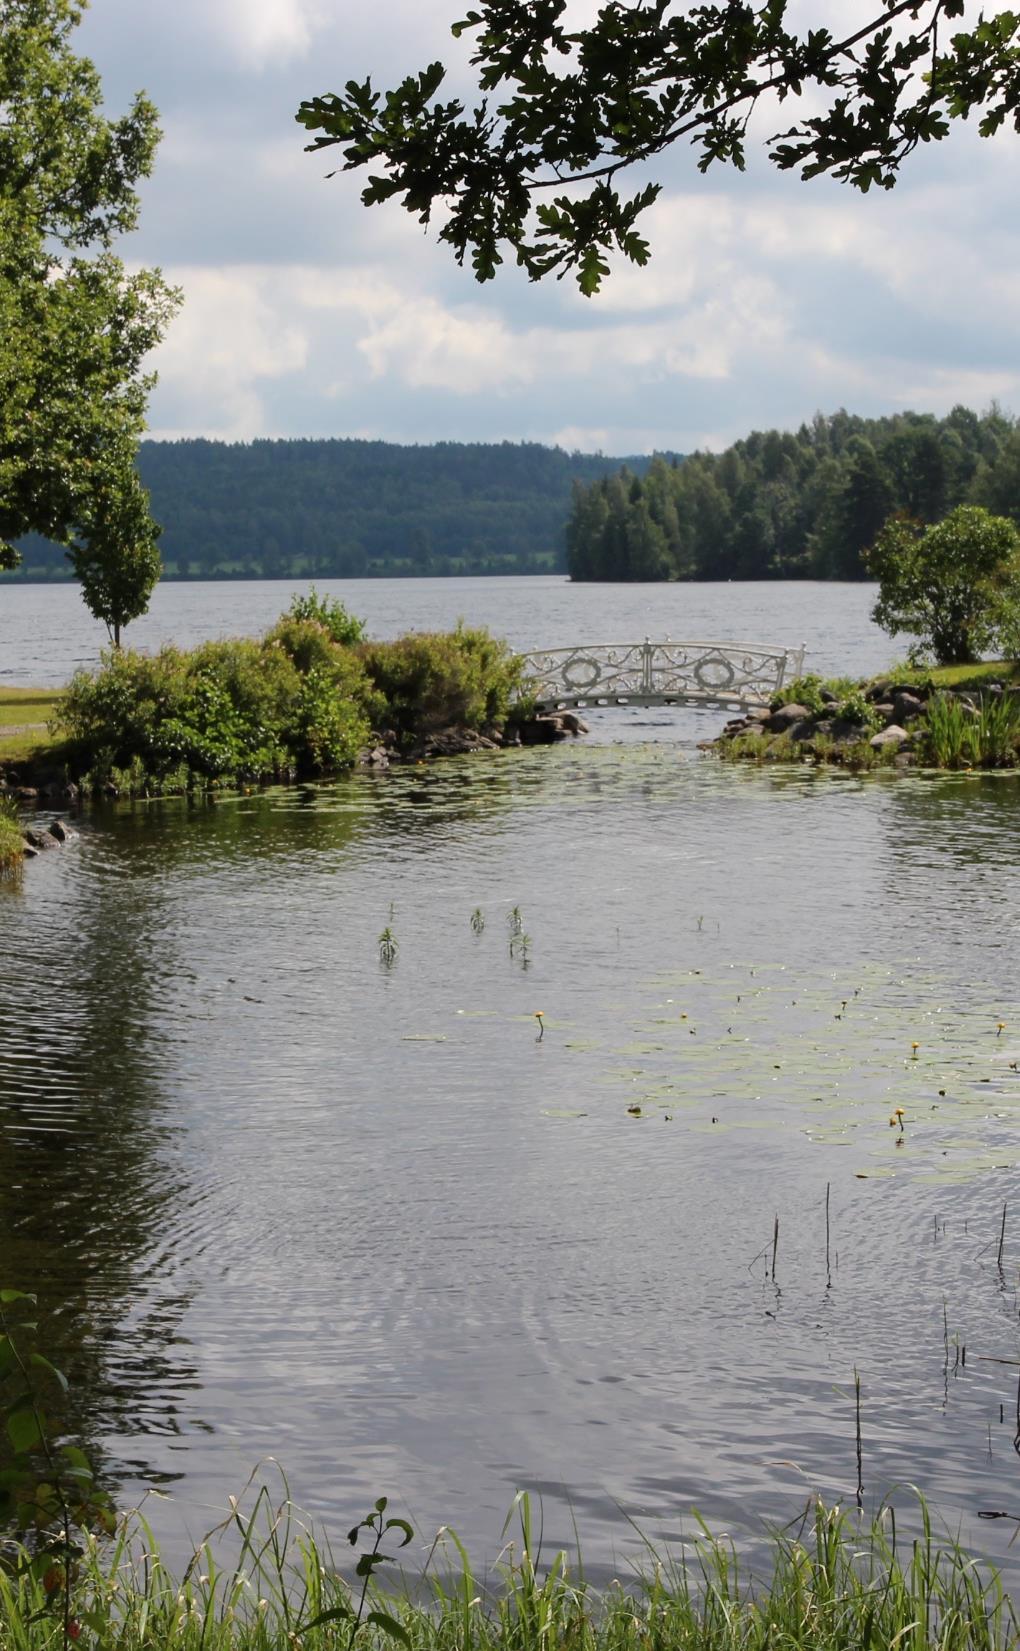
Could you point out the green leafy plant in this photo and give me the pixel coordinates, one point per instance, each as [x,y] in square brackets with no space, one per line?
[955,586]
[477,920]
[378,1528]
[803,690]
[342,627]
[998,730]
[75,325]
[520,943]
[388,947]
[11,846]
[856,709]
[244,709]
[949,735]
[830,1582]
[955,735]
[429,681]
[527,168]
[47,1487]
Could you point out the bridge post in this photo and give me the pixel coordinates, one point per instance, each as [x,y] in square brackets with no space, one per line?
[647,655]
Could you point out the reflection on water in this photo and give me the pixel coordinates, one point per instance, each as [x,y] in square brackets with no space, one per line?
[281,1200]
[88,1156]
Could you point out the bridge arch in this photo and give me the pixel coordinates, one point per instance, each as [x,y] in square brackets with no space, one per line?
[727,675]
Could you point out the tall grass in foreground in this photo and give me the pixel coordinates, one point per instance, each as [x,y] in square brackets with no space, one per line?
[832,1586]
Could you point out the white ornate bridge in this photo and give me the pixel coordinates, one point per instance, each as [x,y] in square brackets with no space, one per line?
[730,675]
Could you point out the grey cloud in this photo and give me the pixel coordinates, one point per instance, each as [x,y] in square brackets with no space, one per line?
[848,300]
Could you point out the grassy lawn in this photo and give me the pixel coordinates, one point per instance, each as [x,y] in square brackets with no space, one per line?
[977,676]
[24,715]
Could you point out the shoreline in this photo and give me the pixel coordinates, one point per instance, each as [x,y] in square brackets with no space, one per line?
[947,719]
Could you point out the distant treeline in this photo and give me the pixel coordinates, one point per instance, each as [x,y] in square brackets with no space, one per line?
[354,509]
[779,505]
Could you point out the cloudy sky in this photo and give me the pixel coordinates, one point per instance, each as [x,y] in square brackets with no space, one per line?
[306,315]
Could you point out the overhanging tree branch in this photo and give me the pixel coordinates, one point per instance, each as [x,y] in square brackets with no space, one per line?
[641,78]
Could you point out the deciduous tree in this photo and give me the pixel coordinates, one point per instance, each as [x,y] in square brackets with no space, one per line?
[75,327]
[955,587]
[564,106]
[115,556]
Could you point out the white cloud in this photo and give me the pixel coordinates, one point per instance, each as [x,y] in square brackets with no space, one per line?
[227,341]
[580,438]
[427,345]
[265,32]
[765,298]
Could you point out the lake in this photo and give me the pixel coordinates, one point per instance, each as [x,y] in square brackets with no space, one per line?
[284,1200]
[46,631]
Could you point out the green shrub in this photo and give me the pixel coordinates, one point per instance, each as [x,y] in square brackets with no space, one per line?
[308,646]
[109,714]
[236,709]
[856,709]
[807,691]
[339,625]
[432,680]
[803,690]
[304,641]
[11,855]
[332,728]
[295,702]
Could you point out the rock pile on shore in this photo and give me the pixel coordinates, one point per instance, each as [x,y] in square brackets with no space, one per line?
[883,714]
[542,729]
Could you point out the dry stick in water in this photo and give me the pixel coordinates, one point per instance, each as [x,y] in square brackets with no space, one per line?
[1002,1236]
[828,1266]
[775,1246]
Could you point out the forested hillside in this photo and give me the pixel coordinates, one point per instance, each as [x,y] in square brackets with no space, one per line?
[780,505]
[350,509]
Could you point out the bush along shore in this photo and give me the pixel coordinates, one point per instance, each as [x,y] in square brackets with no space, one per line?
[309,700]
[950,718]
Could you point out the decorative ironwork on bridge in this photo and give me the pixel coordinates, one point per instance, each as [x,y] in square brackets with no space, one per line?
[725,674]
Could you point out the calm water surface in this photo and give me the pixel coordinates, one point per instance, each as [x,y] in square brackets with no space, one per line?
[46,632]
[281,1200]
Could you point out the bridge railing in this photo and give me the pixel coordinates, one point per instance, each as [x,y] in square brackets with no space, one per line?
[661,673]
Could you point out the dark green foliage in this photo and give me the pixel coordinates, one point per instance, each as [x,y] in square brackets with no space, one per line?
[11,846]
[780,504]
[955,735]
[331,615]
[294,703]
[430,681]
[559,105]
[116,558]
[803,690]
[354,509]
[239,710]
[48,1493]
[75,327]
[955,587]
